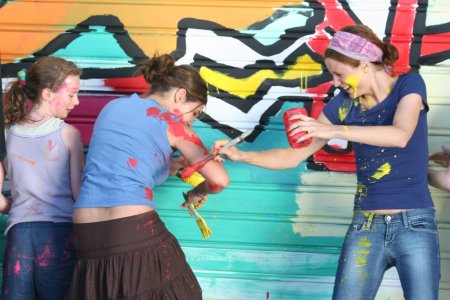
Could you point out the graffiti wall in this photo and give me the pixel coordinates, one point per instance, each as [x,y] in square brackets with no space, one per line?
[276,234]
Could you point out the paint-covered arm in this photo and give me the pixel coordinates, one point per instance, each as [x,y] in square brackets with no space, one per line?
[72,139]
[396,135]
[5,204]
[193,150]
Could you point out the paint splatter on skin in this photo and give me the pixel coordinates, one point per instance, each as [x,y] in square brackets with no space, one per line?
[188,171]
[176,127]
[382,171]
[132,162]
[213,187]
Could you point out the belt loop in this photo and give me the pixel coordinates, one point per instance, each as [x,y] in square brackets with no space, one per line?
[368,222]
[405,219]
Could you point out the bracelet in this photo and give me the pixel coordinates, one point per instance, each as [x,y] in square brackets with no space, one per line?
[195,193]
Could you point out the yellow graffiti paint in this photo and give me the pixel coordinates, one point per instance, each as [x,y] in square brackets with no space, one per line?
[353,82]
[382,171]
[243,87]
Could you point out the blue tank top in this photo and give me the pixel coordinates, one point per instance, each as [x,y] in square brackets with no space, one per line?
[129,154]
[388,177]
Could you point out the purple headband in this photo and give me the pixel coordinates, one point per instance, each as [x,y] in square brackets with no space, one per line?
[355,47]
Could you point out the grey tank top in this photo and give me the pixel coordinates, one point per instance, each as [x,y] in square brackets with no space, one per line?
[37,167]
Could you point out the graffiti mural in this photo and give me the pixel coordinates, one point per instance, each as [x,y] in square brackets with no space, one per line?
[262,61]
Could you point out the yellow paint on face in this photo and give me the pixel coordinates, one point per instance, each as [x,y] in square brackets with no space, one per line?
[243,87]
[382,171]
[353,82]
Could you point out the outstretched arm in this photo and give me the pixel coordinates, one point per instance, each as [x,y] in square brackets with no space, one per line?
[275,158]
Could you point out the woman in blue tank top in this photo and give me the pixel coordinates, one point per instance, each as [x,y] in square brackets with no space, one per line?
[124,250]
[384,115]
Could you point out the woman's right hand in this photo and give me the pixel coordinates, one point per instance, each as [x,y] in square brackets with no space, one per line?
[232,153]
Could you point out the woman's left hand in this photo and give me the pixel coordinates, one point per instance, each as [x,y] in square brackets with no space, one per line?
[176,164]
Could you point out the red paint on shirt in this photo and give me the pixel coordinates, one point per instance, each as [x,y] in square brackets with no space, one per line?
[132,162]
[148,194]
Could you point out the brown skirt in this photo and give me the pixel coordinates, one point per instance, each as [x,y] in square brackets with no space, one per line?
[131,258]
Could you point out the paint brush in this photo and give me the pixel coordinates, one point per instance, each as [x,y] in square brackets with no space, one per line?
[188,171]
[195,179]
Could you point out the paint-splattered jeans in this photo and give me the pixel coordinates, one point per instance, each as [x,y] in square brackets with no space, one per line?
[38,262]
[374,243]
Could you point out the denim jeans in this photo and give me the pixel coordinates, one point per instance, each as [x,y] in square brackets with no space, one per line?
[38,262]
[374,243]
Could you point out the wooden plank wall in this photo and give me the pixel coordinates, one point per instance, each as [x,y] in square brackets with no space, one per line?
[276,234]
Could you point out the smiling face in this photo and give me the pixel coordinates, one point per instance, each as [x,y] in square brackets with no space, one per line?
[65,98]
[346,77]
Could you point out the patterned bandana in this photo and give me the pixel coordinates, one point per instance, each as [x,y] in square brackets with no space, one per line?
[355,47]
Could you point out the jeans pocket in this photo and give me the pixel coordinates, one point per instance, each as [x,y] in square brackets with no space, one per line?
[423,224]
[356,227]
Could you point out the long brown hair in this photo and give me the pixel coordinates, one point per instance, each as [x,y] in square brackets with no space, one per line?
[47,72]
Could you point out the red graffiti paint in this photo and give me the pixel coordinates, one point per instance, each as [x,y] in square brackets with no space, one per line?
[435,43]
[148,194]
[132,162]
[132,84]
[402,33]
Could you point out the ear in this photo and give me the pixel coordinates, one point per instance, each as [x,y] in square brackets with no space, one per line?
[180,95]
[364,66]
[46,94]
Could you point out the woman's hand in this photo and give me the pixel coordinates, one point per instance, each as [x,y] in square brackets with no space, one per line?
[5,204]
[441,158]
[176,164]
[313,128]
[232,153]
[194,197]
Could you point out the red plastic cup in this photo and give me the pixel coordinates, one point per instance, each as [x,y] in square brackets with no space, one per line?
[293,139]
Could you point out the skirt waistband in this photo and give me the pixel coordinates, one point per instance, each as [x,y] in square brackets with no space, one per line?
[112,237]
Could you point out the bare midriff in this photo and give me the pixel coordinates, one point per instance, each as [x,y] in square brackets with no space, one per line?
[99,214]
